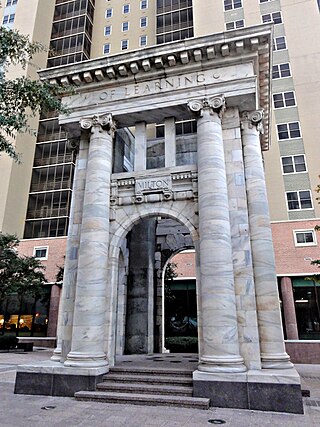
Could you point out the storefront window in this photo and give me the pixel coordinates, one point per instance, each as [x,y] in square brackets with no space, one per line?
[306,299]
[24,316]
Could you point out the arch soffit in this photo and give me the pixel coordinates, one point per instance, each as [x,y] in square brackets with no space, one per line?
[124,228]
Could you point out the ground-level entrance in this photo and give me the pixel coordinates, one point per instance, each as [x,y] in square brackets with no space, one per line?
[173,132]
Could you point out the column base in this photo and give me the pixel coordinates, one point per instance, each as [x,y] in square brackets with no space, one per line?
[221,364]
[261,390]
[276,361]
[54,379]
[86,360]
[56,357]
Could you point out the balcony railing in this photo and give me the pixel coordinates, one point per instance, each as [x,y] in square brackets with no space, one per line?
[51,185]
[51,136]
[63,158]
[47,213]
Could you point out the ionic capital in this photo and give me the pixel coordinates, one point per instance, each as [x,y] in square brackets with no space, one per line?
[215,104]
[252,119]
[100,123]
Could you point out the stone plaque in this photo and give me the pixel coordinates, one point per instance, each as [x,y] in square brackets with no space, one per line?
[153,185]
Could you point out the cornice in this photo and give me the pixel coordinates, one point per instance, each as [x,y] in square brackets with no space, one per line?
[203,51]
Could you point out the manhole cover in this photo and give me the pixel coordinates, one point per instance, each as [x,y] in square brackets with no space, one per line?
[216,421]
[48,407]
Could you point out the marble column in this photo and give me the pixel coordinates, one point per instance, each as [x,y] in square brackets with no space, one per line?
[289,309]
[219,346]
[66,306]
[140,147]
[273,354]
[87,348]
[170,142]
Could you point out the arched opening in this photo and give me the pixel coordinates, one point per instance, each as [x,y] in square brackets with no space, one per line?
[180,303]
[145,252]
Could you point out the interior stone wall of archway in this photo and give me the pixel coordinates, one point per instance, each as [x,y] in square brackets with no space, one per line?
[183,212]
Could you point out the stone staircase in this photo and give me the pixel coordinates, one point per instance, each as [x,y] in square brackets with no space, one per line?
[146,386]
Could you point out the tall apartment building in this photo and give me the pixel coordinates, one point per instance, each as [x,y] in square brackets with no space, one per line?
[36,195]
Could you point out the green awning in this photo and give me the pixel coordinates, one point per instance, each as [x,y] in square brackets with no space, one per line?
[302,283]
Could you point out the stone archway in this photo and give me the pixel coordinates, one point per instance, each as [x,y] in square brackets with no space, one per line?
[118,294]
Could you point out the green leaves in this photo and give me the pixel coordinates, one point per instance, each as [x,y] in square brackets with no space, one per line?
[19,274]
[22,97]
[16,48]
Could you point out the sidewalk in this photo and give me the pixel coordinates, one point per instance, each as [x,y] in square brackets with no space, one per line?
[25,411]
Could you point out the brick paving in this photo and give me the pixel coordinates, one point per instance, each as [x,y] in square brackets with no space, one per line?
[25,411]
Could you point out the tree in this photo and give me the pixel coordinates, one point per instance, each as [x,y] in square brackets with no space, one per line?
[19,274]
[22,97]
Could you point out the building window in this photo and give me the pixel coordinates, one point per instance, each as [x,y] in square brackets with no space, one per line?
[143,4]
[279,43]
[109,12]
[126,8]
[304,238]
[264,1]
[289,130]
[125,26]
[124,44]
[234,24]
[232,4]
[8,19]
[41,252]
[293,164]
[274,17]
[143,41]
[11,2]
[143,22]
[107,30]
[298,200]
[281,71]
[106,48]
[284,99]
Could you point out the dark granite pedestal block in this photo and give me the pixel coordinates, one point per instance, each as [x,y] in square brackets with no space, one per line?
[51,378]
[52,384]
[249,395]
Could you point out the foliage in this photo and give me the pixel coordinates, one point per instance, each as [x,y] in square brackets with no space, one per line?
[316,277]
[169,274]
[7,342]
[21,97]
[182,344]
[19,274]
[59,275]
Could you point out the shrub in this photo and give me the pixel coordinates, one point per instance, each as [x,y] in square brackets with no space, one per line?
[7,342]
[182,344]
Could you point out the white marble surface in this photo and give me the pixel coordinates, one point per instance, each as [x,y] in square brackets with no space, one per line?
[90,300]
[273,354]
[220,345]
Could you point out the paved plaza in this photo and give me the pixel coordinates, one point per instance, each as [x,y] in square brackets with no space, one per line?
[23,410]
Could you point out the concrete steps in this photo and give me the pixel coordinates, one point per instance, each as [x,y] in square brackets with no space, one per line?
[146,386]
